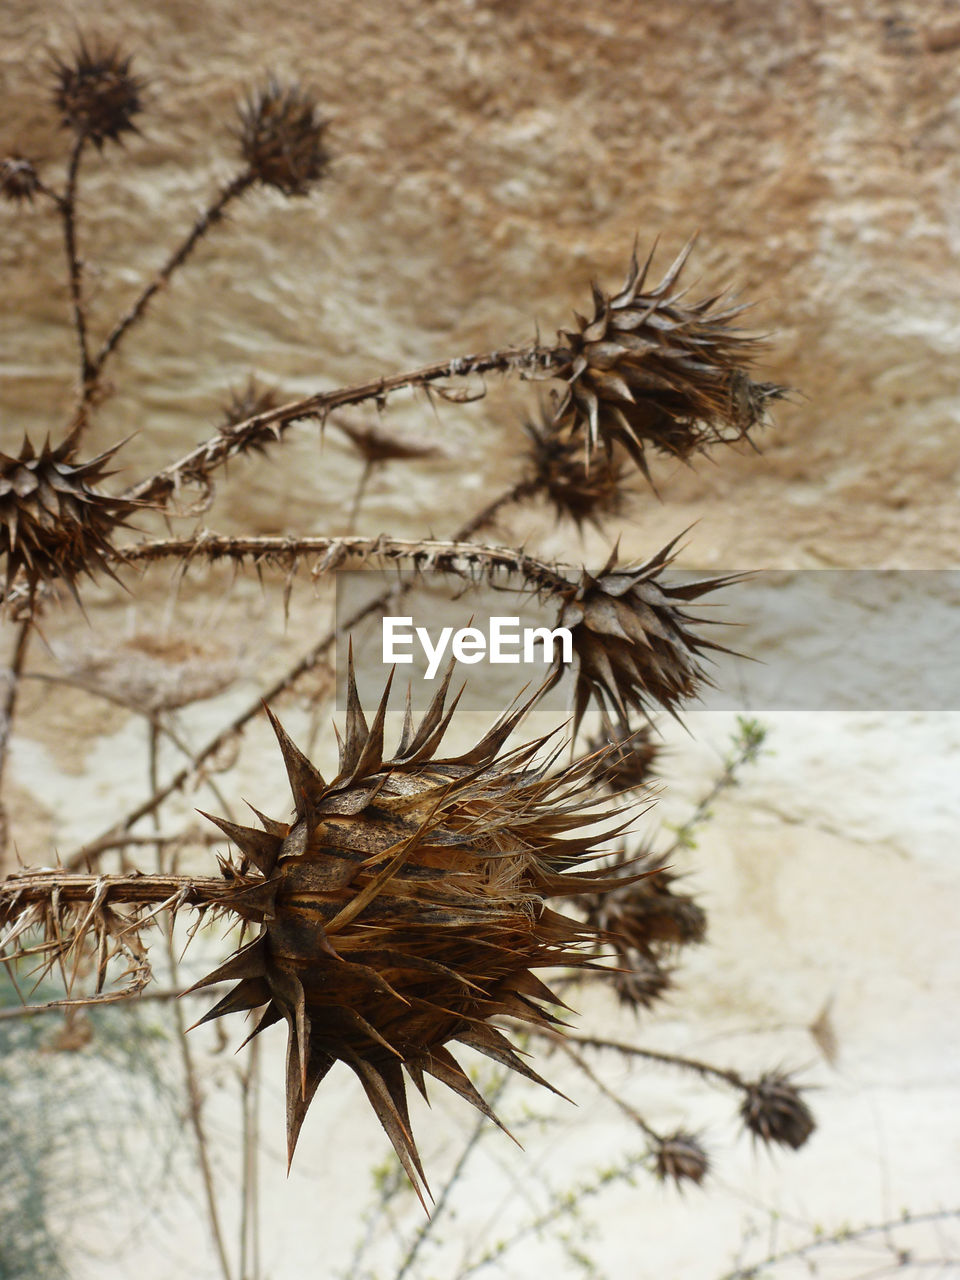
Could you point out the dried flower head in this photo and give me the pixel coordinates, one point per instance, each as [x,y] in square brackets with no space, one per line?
[281,138]
[18,179]
[405,905]
[376,446]
[583,492]
[681,1158]
[626,758]
[646,915]
[54,523]
[245,402]
[632,638]
[96,94]
[654,370]
[639,981]
[774,1111]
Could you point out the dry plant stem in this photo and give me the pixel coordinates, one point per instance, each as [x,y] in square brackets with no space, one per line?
[249,1266]
[848,1235]
[199,463]
[358,493]
[6,717]
[23,888]
[581,1063]
[68,211]
[521,490]
[207,219]
[703,1069]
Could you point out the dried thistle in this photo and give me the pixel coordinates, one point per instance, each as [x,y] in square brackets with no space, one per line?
[626,758]
[281,138]
[54,523]
[246,402]
[405,906]
[582,493]
[19,180]
[681,1158]
[654,370]
[639,981]
[774,1111]
[632,638]
[96,94]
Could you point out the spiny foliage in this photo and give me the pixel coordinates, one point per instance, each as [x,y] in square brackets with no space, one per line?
[405,906]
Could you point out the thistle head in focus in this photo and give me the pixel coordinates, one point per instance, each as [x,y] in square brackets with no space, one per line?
[95,93]
[55,524]
[282,138]
[405,905]
[652,370]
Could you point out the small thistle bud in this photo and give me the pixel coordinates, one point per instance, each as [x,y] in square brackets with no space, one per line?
[581,493]
[652,370]
[95,93]
[54,522]
[281,138]
[639,981]
[774,1111]
[632,639]
[681,1158]
[246,402]
[18,179]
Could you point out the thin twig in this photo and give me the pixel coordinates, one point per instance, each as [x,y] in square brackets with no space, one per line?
[266,427]
[368,467]
[703,1069]
[7,712]
[67,205]
[610,1094]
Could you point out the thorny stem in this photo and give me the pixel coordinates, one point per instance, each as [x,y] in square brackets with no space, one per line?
[207,219]
[7,714]
[848,1235]
[249,1268]
[68,210]
[268,426]
[703,1069]
[522,489]
[629,1111]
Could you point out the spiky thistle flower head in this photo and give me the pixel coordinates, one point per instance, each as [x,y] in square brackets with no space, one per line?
[406,905]
[282,138]
[681,1158]
[626,758]
[774,1111]
[633,640]
[55,524]
[654,370]
[646,915]
[19,180]
[95,92]
[585,492]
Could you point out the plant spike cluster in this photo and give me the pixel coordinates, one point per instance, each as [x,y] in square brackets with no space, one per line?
[282,138]
[651,370]
[585,494]
[95,94]
[405,906]
[55,524]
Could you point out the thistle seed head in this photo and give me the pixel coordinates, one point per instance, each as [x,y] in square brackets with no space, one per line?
[281,138]
[405,905]
[95,93]
[54,523]
[581,492]
[245,402]
[18,179]
[653,370]
[774,1111]
[681,1158]
[626,758]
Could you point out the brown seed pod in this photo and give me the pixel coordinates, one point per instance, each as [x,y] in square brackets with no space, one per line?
[632,638]
[95,93]
[281,138]
[774,1111]
[653,370]
[405,906]
[54,523]
[581,492]
[18,179]
[681,1158]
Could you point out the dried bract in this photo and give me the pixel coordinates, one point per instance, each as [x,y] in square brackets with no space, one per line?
[626,758]
[774,1111]
[681,1158]
[18,179]
[281,138]
[654,370]
[246,402]
[405,906]
[96,94]
[54,523]
[583,493]
[633,642]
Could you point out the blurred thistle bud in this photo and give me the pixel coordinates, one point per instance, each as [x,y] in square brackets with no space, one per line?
[774,1111]
[18,179]
[632,762]
[281,138]
[95,94]
[681,1158]
[584,493]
